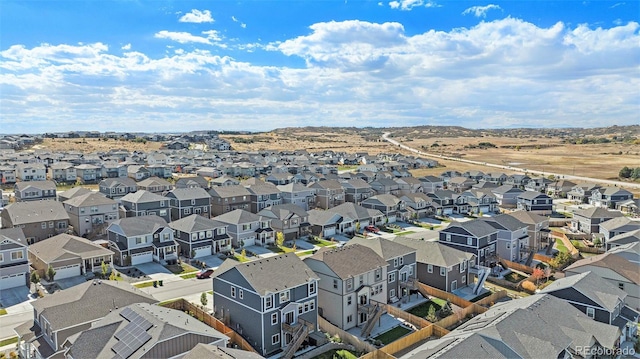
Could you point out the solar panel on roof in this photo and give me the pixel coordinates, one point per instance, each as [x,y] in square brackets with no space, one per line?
[133,336]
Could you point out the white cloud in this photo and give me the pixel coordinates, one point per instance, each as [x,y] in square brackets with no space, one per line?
[500,73]
[407,5]
[197,16]
[242,24]
[126,47]
[481,11]
[212,37]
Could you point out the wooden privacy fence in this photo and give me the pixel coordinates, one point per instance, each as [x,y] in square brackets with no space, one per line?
[542,258]
[360,345]
[494,297]
[517,266]
[208,319]
[459,315]
[435,292]
[408,317]
[567,243]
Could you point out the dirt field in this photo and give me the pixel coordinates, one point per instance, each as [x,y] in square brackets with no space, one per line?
[89,145]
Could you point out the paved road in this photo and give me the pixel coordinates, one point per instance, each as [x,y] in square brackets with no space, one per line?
[179,288]
[9,321]
[385,137]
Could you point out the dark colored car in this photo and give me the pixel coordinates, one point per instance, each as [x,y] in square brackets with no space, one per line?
[204,274]
[372,229]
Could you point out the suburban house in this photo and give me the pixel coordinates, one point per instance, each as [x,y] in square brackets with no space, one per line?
[598,299]
[199,236]
[62,172]
[326,223]
[145,203]
[247,229]
[517,180]
[88,173]
[623,239]
[69,256]
[280,178]
[353,284]
[418,204]
[356,190]
[31,172]
[474,175]
[116,188]
[213,351]
[63,314]
[272,302]
[138,240]
[616,226]
[391,206]
[14,264]
[329,193]
[537,184]
[112,169]
[142,330]
[229,198]
[187,201]
[37,219]
[513,237]
[460,184]
[409,184]
[552,327]
[155,185]
[538,228]
[223,181]
[479,201]
[431,183]
[588,220]
[609,197]
[73,192]
[630,252]
[560,189]
[90,213]
[475,236]
[192,181]
[298,194]
[7,174]
[440,266]
[582,192]
[34,191]
[138,172]
[536,202]
[359,215]
[401,264]
[615,269]
[445,199]
[289,219]
[507,195]
[263,195]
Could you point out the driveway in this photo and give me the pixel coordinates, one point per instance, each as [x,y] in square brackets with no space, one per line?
[71,281]
[154,270]
[13,296]
[212,261]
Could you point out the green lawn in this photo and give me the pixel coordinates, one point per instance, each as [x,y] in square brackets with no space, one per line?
[181,268]
[189,275]
[305,253]
[560,246]
[422,310]
[143,284]
[347,167]
[240,259]
[393,335]
[3,311]
[8,341]
[336,353]
[577,244]
[322,242]
[404,233]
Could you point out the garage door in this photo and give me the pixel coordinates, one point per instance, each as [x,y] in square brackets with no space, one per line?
[328,232]
[203,251]
[448,211]
[140,258]
[15,280]
[67,271]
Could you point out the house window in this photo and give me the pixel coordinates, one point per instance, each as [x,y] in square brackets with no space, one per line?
[463,266]
[193,202]
[349,300]
[392,277]
[464,279]
[508,245]
[222,230]
[201,235]
[591,313]
[349,283]
[187,211]
[621,286]
[448,238]
[268,302]
[51,224]
[43,225]
[469,241]
[392,293]
[429,268]
[349,318]
[443,271]
[138,240]
[1,257]
[395,262]
[401,260]
[378,274]
[335,284]
[300,309]
[233,292]
[241,294]
[17,255]
[361,280]
[284,297]
[275,339]
[312,288]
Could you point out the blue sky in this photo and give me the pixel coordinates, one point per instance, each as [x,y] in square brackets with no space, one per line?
[258,65]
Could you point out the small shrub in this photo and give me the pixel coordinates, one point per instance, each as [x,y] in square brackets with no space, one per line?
[529,286]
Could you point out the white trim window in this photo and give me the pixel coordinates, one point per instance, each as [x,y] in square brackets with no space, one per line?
[233,292]
[284,296]
[312,288]
[268,302]
[429,268]
[591,312]
[443,271]
[392,277]
[274,318]
[275,339]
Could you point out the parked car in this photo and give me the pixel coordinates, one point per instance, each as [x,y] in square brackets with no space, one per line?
[205,273]
[372,229]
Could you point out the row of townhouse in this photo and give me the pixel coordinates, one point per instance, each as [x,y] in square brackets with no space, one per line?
[603,224]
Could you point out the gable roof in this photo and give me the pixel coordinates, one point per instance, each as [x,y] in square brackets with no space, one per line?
[182,194]
[435,253]
[44,185]
[12,238]
[528,217]
[532,195]
[475,227]
[594,287]
[618,222]
[142,196]
[505,221]
[283,211]
[195,223]
[383,247]
[74,192]
[624,238]
[229,191]
[237,216]
[89,199]
[272,274]
[355,211]
[35,211]
[154,181]
[597,212]
[349,261]
[612,261]
[136,226]
[64,246]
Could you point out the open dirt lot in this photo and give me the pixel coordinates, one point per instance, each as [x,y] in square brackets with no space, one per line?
[90,145]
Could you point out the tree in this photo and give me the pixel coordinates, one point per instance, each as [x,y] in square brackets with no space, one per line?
[431,315]
[625,172]
[35,278]
[243,254]
[279,239]
[104,268]
[203,299]
[357,227]
[51,273]
[597,242]
[537,274]
[560,260]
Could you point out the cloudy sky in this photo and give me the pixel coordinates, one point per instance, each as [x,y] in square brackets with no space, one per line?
[258,65]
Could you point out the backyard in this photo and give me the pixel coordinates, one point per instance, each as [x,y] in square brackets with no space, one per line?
[422,310]
[393,334]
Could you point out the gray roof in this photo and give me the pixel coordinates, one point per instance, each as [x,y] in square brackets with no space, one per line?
[435,253]
[142,196]
[475,227]
[591,285]
[349,261]
[383,247]
[65,246]
[238,216]
[182,194]
[505,221]
[323,218]
[35,211]
[385,199]
[625,238]
[154,181]
[271,275]
[283,211]
[229,191]
[136,226]
[612,261]
[14,236]
[597,212]
[196,223]
[112,182]
[75,191]
[87,302]
[294,187]
[619,222]
[172,332]
[506,189]
[207,351]
[528,217]
[89,199]
[46,185]
[355,211]
[531,195]
[327,184]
